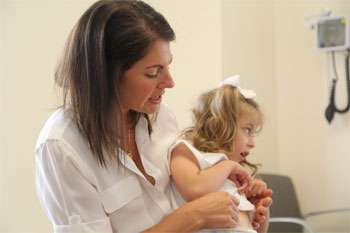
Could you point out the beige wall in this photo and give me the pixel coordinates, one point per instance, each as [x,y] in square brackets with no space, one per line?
[197,64]
[267,42]
[2,111]
[248,50]
[313,152]
[34,33]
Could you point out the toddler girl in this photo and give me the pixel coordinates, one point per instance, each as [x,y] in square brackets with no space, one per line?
[209,155]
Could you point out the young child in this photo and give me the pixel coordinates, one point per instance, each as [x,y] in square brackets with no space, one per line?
[208,156]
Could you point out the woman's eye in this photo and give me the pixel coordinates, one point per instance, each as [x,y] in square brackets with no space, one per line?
[152,75]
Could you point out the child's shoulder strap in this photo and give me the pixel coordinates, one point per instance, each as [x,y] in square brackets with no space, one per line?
[196,153]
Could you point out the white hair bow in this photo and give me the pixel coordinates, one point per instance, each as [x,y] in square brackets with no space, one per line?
[234,81]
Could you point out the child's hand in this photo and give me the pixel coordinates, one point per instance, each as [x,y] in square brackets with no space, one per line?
[262,214]
[260,196]
[256,188]
[240,177]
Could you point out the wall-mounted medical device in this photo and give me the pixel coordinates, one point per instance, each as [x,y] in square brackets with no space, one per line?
[332,33]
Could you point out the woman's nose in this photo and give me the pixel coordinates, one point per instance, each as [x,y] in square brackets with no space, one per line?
[167,81]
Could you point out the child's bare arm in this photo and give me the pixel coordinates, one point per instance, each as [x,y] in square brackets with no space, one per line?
[191,182]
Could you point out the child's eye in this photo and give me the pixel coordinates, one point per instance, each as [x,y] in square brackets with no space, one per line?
[248,131]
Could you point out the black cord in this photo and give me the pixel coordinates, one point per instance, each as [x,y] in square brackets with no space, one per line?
[347,84]
[332,108]
[334,65]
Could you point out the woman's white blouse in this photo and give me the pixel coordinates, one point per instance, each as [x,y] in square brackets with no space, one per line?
[78,195]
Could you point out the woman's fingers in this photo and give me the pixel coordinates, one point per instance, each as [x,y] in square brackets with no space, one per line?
[243,180]
[234,212]
[260,214]
[267,192]
[243,187]
[256,225]
[266,202]
[235,202]
[256,188]
[217,210]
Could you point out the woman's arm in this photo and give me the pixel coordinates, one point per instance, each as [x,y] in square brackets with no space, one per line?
[191,182]
[214,210]
[66,194]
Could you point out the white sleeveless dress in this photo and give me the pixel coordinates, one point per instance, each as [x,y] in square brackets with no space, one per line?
[206,160]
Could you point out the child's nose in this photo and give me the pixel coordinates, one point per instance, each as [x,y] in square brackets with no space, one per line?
[251,143]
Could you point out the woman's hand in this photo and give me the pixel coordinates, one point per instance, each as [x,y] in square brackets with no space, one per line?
[260,196]
[213,210]
[256,188]
[241,177]
[216,210]
[262,215]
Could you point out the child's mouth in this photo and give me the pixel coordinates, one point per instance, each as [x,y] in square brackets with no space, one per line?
[244,155]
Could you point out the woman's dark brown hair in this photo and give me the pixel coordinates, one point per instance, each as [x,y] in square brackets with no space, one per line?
[107,40]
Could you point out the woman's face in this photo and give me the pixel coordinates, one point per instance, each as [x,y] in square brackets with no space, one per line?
[244,140]
[142,86]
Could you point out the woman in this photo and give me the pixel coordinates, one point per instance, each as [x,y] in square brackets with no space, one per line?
[101,163]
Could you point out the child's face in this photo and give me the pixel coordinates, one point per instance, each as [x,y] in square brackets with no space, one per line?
[244,140]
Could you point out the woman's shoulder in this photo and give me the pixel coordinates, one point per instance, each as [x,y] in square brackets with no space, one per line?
[165,114]
[59,127]
[165,121]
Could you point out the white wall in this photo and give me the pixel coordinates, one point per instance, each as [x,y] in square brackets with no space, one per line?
[34,34]
[197,64]
[314,153]
[248,50]
[2,110]
[267,42]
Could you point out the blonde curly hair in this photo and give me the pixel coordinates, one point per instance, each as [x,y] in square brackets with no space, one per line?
[216,120]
